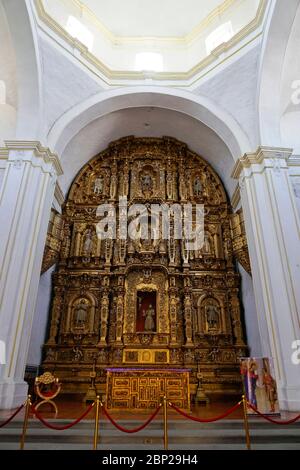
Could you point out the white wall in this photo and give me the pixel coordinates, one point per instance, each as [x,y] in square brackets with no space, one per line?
[250,315]
[40,320]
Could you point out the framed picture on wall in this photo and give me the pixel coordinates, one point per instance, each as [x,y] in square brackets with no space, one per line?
[259,384]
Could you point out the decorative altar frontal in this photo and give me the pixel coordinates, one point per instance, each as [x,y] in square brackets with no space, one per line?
[144,388]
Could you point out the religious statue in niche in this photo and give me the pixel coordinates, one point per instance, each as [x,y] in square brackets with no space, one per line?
[80,314]
[146,183]
[212,314]
[98,185]
[149,313]
[197,186]
[88,242]
[206,249]
[146,312]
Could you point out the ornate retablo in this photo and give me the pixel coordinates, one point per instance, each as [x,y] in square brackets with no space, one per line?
[146,302]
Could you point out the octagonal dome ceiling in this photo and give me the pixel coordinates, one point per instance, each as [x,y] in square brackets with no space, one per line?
[162,39]
[154,18]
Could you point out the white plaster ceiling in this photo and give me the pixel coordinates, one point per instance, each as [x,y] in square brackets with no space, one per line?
[146,122]
[154,18]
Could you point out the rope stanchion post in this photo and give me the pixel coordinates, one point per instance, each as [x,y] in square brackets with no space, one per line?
[246,422]
[165,405]
[97,415]
[25,422]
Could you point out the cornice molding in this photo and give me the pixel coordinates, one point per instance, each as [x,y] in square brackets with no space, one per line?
[294,160]
[35,147]
[263,154]
[111,74]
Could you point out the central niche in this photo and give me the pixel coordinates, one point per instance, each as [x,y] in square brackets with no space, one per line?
[146,312]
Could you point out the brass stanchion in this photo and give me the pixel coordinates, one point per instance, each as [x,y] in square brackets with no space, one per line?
[165,404]
[96,431]
[25,422]
[246,422]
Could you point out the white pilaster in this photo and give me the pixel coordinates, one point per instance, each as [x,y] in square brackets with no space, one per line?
[273,229]
[26,195]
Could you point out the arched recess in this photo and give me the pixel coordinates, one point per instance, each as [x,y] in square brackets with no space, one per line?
[272,83]
[198,107]
[21,24]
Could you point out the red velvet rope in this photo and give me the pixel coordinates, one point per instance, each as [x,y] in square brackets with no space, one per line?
[131,431]
[61,428]
[12,416]
[207,420]
[274,421]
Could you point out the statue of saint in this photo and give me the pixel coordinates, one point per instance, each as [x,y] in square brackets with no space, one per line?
[149,322]
[147,183]
[212,316]
[206,245]
[80,313]
[98,185]
[88,242]
[197,186]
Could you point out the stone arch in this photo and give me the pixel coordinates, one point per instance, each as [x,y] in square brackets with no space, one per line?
[277,42]
[104,103]
[20,19]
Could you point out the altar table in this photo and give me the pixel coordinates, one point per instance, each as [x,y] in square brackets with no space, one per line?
[142,388]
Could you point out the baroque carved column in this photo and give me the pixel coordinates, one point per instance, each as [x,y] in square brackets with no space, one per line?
[188,315]
[104,313]
[182,182]
[56,314]
[173,303]
[120,313]
[114,181]
[66,241]
[235,314]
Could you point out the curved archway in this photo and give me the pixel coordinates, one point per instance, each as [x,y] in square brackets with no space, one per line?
[198,107]
[22,29]
[277,36]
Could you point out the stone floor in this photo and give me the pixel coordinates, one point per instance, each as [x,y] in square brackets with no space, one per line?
[183,434]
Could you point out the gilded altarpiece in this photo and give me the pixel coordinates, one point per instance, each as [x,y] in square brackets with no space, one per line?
[189,300]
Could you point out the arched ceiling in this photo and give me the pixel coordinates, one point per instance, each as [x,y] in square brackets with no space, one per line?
[146,122]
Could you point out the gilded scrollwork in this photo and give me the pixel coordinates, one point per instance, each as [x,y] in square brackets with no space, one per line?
[194,313]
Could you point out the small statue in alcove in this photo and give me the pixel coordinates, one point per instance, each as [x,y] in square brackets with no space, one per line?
[212,316]
[80,313]
[98,185]
[197,186]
